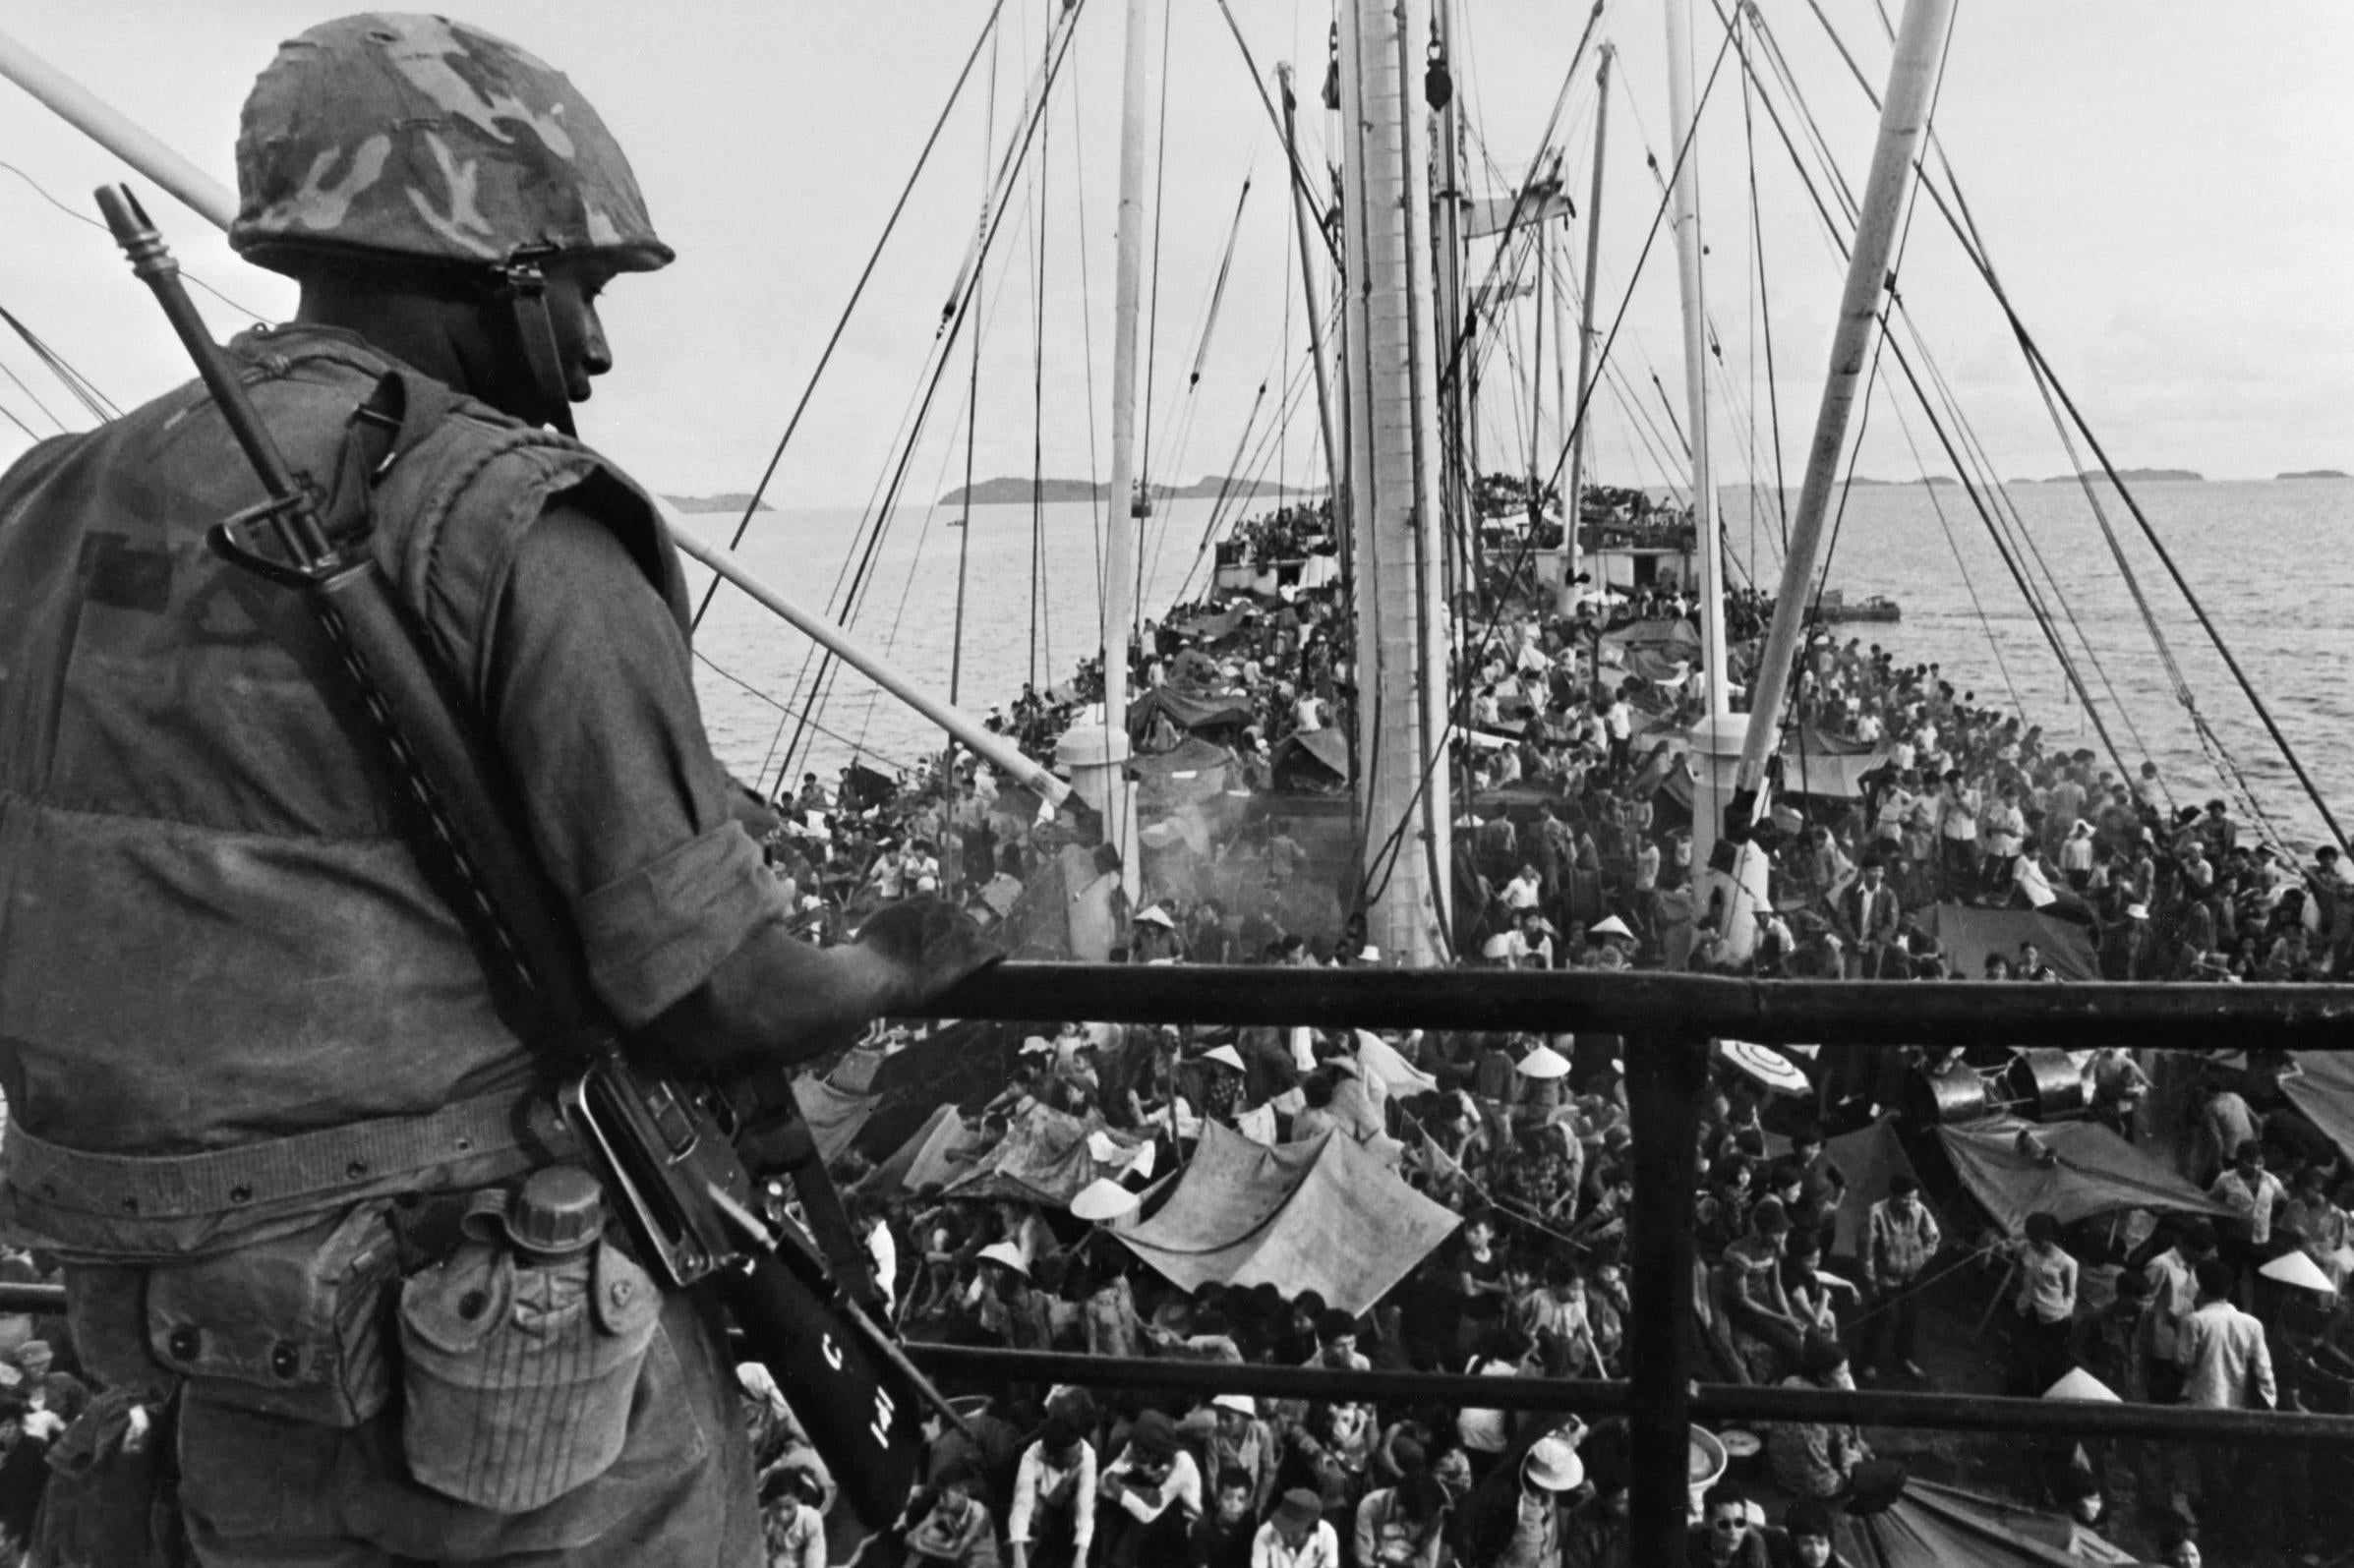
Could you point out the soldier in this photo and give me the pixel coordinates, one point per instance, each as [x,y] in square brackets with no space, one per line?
[255,1068]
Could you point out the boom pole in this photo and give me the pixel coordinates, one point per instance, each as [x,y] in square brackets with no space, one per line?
[214,203]
[1903,122]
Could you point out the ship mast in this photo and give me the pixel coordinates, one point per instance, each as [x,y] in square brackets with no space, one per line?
[1573,499]
[1107,769]
[1401,611]
[1709,793]
[1903,122]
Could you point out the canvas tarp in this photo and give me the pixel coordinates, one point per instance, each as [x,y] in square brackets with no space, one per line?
[1943,1527]
[2325,1091]
[1827,774]
[1868,1157]
[1044,1158]
[1314,759]
[1968,934]
[1327,1216]
[1190,710]
[834,1114]
[2072,1169]
[1195,771]
[932,1156]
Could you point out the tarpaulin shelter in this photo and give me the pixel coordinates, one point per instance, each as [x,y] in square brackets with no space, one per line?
[930,1156]
[1678,638]
[1934,1526]
[1868,1157]
[1193,712]
[1195,770]
[1968,934]
[2325,1091]
[1327,1216]
[2074,1170]
[1044,1158]
[834,1114]
[1827,774]
[1311,761]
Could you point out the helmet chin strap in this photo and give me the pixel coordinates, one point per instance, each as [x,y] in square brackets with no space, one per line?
[524,287]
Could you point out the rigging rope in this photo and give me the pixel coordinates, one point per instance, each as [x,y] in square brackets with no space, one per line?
[1974,250]
[825,355]
[880,521]
[956,646]
[98,405]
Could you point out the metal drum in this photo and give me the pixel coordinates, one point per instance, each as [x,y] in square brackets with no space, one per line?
[2046,1085]
[1957,1095]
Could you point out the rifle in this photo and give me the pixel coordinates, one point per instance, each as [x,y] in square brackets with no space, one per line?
[665,1152]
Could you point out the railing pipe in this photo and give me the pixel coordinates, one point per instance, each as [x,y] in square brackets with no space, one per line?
[2305,1018]
[1712,1404]
[1665,1080]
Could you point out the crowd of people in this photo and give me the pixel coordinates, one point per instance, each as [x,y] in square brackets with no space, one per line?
[1570,854]
[1527,1140]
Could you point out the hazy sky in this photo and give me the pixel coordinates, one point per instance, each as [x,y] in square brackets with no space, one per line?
[2164,185]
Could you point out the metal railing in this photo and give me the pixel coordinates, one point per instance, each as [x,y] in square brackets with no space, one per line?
[1668,1022]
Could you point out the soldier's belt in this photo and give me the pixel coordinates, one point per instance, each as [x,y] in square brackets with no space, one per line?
[307,1168]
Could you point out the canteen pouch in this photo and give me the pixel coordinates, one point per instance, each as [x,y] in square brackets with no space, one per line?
[293,1326]
[520,1373]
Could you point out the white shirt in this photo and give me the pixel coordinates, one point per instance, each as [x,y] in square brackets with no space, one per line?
[1038,1477]
[884,1252]
[1183,1486]
[1321,1549]
[2224,1355]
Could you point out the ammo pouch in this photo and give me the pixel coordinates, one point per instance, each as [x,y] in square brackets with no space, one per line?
[293,1326]
[520,1369]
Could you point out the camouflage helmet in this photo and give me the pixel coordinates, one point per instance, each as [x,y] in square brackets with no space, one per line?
[416,137]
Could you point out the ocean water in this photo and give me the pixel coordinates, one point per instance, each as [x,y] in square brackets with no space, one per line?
[2271,562]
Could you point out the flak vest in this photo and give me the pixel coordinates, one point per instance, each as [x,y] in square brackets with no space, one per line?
[229,998]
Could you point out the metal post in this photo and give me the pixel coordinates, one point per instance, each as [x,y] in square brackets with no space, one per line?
[1119,519]
[1904,122]
[1707,800]
[1573,499]
[1665,1077]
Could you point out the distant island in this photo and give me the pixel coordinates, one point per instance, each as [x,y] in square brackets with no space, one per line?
[2131,476]
[1934,479]
[734,503]
[1008,491]
[2316,473]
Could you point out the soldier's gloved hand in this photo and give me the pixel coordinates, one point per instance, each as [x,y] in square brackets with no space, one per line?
[929,946]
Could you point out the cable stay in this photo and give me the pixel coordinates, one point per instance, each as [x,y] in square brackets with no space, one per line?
[825,355]
[877,524]
[1974,247]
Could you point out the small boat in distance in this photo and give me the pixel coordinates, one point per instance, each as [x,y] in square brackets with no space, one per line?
[1833,605]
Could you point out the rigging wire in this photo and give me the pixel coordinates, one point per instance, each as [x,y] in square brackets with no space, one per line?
[1987,498]
[98,405]
[825,355]
[1764,317]
[85,219]
[956,646]
[1961,566]
[1121,513]
[1974,247]
[946,339]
